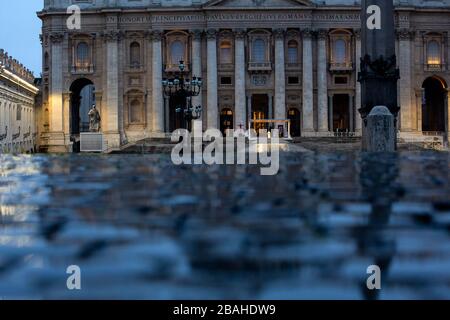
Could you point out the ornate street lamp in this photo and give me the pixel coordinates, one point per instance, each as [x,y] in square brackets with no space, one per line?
[184,89]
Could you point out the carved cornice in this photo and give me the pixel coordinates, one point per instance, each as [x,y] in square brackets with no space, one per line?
[211,34]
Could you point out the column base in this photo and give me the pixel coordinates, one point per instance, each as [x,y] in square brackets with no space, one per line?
[57,143]
[112,140]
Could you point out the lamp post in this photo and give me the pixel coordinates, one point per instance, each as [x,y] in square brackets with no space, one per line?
[184,89]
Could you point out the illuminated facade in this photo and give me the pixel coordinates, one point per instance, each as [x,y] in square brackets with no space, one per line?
[263,59]
[17,106]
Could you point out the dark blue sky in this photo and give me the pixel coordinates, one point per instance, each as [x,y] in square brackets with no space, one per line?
[19,31]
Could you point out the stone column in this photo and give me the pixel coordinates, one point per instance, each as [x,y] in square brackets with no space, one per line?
[330,113]
[270,96]
[112,88]
[249,109]
[280,75]
[239,83]
[322,80]
[157,90]
[197,62]
[358,118]
[212,107]
[351,112]
[447,109]
[404,62]
[308,110]
[56,139]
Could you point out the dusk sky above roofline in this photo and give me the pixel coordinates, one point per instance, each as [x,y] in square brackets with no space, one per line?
[19,32]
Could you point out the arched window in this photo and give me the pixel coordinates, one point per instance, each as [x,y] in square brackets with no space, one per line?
[83,54]
[176,52]
[135,111]
[135,54]
[433,52]
[259,51]
[292,51]
[340,51]
[225,53]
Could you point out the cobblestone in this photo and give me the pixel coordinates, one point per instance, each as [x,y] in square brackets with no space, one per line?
[140,227]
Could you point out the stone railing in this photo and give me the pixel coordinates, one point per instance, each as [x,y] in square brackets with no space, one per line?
[341,66]
[9,63]
[434,67]
[4,135]
[260,66]
[83,68]
[16,135]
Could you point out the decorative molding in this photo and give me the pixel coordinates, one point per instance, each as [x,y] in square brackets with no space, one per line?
[112,35]
[196,34]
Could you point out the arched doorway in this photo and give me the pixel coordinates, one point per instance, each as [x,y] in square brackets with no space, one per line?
[226,119]
[260,111]
[341,112]
[294,116]
[433,105]
[82,97]
[176,118]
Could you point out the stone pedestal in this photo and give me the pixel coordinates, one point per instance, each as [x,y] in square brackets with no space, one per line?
[380,131]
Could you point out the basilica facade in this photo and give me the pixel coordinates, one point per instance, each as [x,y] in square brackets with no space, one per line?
[259,59]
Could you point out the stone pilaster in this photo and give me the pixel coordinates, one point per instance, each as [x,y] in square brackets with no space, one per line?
[111,131]
[239,85]
[280,76]
[212,103]
[157,90]
[358,118]
[197,61]
[56,134]
[308,110]
[404,37]
[322,80]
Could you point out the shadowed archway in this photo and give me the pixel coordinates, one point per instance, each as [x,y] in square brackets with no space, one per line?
[433,105]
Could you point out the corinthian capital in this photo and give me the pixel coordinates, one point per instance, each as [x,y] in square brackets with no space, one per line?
[405,34]
[156,35]
[211,34]
[239,33]
[322,34]
[112,35]
[307,33]
[56,37]
[196,34]
[279,33]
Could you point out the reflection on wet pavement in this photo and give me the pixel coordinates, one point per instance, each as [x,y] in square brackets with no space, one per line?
[140,227]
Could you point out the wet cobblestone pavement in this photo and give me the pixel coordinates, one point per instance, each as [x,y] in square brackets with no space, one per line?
[140,227]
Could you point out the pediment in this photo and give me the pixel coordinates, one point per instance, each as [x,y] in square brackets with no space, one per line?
[257,3]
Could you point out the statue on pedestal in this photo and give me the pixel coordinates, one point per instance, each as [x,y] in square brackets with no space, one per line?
[94,119]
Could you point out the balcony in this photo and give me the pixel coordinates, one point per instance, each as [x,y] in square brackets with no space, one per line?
[82,69]
[260,66]
[341,66]
[433,67]
[174,68]
[293,66]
